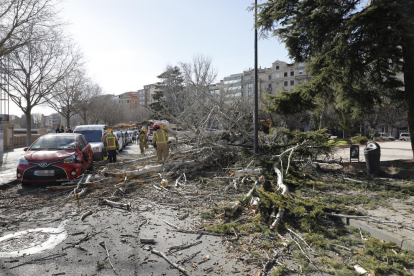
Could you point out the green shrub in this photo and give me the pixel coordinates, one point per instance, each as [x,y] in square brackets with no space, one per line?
[359,140]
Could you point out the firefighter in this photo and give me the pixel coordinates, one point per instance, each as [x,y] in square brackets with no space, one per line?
[142,138]
[104,151]
[160,140]
[111,144]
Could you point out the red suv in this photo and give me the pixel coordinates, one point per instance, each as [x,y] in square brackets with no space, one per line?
[57,156]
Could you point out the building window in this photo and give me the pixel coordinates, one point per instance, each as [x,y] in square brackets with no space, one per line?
[277,67]
[301,72]
[250,92]
[292,82]
[285,83]
[252,78]
[285,74]
[292,73]
[269,88]
[300,63]
[250,85]
[269,77]
[277,75]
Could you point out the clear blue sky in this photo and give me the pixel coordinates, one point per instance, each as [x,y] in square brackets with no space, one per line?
[128,43]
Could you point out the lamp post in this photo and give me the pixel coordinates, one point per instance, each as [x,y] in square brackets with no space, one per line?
[256,90]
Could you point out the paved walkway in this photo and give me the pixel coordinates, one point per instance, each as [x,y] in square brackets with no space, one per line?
[8,164]
[391,150]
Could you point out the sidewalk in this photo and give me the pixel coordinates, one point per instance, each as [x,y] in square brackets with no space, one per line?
[9,159]
[392,150]
[394,223]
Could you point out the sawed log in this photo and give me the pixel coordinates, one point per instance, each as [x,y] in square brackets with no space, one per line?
[246,172]
[284,189]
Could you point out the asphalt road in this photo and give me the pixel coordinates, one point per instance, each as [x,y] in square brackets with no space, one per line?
[107,231]
[118,229]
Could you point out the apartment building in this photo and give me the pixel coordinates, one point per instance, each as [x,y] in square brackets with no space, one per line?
[232,88]
[54,119]
[281,76]
[142,98]
[149,92]
[127,99]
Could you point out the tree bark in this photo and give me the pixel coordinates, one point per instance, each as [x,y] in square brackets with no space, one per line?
[29,126]
[408,70]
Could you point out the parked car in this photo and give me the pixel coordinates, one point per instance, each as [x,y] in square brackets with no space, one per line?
[405,136]
[120,140]
[130,134]
[56,156]
[93,134]
[385,136]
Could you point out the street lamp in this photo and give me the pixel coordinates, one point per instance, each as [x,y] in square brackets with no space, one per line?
[256,90]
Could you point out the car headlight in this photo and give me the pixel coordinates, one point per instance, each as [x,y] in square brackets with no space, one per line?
[23,161]
[96,149]
[70,159]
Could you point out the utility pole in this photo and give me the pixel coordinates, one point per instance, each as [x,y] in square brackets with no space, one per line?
[256,90]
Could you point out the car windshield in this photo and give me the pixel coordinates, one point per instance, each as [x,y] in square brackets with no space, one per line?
[57,142]
[91,135]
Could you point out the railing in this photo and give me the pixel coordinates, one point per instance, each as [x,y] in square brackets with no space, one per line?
[19,140]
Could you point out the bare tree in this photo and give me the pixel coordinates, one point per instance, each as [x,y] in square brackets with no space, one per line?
[68,94]
[137,114]
[91,92]
[203,109]
[107,110]
[24,21]
[36,69]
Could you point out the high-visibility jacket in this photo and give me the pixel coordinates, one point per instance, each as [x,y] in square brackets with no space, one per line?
[160,136]
[111,142]
[142,138]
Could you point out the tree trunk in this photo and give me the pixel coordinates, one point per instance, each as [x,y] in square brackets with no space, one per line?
[408,70]
[84,118]
[68,120]
[29,126]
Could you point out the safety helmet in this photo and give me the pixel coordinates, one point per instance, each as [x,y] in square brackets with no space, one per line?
[143,129]
[155,126]
[111,131]
[163,126]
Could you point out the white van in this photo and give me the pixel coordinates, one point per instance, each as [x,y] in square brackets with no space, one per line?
[93,134]
[405,136]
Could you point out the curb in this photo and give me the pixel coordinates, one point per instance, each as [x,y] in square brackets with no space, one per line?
[9,184]
[381,234]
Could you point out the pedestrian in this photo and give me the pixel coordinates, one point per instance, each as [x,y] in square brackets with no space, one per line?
[69,130]
[134,138]
[160,140]
[111,144]
[62,129]
[143,141]
[58,129]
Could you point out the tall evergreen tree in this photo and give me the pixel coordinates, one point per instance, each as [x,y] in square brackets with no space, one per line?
[354,53]
[169,91]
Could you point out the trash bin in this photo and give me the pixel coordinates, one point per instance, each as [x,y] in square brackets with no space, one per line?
[372,155]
